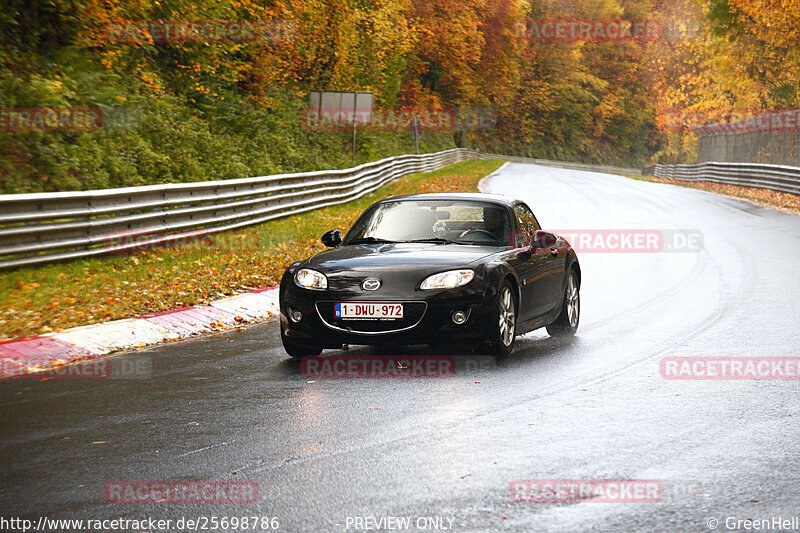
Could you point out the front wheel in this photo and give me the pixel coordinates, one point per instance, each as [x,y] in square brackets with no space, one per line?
[501,342]
[299,350]
[567,322]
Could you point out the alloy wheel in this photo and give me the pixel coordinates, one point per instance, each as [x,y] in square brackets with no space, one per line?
[507,317]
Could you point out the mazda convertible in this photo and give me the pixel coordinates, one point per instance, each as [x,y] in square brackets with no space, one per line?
[437,269]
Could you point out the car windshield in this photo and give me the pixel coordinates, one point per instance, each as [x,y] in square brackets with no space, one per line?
[436,221]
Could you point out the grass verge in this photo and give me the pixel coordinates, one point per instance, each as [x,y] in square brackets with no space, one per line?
[788,203]
[62,295]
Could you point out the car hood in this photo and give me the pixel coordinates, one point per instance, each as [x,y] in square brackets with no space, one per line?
[393,256]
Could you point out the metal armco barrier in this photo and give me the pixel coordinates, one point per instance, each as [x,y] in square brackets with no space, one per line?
[774,177]
[43,227]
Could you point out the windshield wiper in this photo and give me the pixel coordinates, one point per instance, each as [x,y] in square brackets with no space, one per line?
[370,240]
[437,240]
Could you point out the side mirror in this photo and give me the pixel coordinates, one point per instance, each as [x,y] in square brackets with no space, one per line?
[332,239]
[542,239]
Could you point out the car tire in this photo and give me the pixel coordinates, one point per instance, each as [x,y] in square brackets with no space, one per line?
[299,350]
[504,326]
[567,322]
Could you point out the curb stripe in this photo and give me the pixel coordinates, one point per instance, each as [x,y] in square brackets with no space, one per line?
[33,354]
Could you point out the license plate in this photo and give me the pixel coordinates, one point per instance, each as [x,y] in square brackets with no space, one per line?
[368,310]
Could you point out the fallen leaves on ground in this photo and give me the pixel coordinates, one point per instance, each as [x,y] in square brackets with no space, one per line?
[787,202]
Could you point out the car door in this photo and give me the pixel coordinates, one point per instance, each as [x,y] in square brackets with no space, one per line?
[541,286]
[528,267]
[553,270]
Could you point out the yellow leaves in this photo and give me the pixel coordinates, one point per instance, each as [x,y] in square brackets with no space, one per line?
[25,287]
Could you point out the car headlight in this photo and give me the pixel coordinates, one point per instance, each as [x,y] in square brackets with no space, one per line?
[448,280]
[311,279]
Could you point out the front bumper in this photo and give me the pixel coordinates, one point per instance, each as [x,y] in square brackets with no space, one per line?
[428,317]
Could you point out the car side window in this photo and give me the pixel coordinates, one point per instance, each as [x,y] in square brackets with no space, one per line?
[527,223]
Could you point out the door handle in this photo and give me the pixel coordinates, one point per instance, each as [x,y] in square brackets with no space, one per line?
[554,252]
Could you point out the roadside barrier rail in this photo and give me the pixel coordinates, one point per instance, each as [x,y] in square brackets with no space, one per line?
[43,227]
[763,176]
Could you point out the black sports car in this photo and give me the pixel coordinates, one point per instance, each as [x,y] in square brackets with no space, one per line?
[432,269]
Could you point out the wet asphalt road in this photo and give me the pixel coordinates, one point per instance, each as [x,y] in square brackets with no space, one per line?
[233,407]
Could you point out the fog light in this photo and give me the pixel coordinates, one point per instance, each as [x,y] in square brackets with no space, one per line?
[296,316]
[459,317]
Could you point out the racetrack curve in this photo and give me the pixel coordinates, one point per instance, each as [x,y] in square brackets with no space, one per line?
[232,406]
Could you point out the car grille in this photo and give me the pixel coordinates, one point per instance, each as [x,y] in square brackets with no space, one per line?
[412,315]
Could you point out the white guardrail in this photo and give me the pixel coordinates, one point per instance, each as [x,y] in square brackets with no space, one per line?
[774,177]
[43,227]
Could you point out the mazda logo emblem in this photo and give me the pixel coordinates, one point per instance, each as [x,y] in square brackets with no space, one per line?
[371,284]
